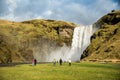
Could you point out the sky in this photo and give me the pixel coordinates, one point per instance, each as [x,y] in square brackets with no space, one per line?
[84,12]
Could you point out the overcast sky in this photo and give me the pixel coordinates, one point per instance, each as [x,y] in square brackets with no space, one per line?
[83,12]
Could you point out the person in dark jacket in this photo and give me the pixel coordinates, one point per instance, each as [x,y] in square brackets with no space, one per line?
[60,61]
[35,62]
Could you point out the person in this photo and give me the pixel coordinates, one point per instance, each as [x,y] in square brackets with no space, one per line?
[60,61]
[54,62]
[35,62]
[69,61]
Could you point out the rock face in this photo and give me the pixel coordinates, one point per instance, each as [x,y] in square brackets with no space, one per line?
[19,41]
[105,42]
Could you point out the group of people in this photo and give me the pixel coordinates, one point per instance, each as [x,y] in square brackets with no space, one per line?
[60,62]
[34,62]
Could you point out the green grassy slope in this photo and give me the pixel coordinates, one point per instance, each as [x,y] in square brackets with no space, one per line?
[105,42]
[19,40]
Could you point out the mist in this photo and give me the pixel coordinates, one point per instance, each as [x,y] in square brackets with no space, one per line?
[56,53]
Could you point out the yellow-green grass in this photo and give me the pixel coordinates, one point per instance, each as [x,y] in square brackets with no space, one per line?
[78,71]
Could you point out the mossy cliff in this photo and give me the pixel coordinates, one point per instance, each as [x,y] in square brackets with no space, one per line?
[105,42]
[19,41]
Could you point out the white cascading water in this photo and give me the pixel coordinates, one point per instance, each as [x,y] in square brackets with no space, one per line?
[81,39]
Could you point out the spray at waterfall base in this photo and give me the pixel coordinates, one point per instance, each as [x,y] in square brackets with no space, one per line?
[80,41]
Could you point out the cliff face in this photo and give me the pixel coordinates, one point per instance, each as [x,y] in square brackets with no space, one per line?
[19,41]
[105,42]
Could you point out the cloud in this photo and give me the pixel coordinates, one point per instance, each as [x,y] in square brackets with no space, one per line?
[78,11]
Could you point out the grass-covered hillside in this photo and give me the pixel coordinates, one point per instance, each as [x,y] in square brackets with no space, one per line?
[105,42]
[20,40]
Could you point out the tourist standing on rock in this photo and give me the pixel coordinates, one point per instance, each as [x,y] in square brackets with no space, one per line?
[60,61]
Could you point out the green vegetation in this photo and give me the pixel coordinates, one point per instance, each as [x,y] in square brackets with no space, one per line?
[105,42]
[78,71]
[19,40]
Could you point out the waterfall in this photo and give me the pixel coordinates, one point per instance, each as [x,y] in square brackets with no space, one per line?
[81,39]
